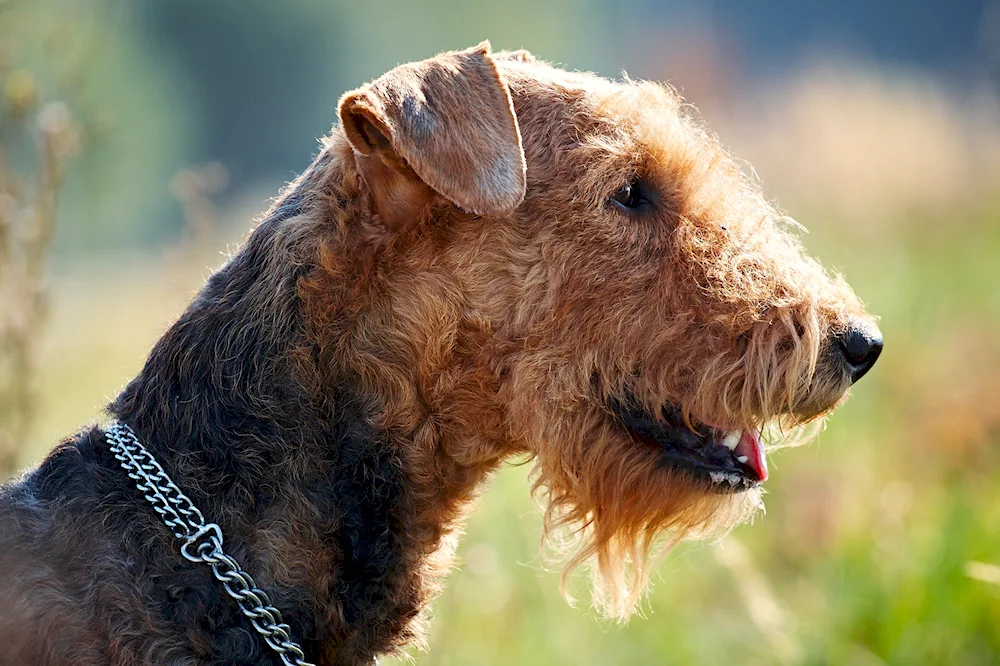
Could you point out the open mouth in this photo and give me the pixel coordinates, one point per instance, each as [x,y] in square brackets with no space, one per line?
[731,461]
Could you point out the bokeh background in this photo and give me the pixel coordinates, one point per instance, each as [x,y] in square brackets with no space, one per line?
[138,140]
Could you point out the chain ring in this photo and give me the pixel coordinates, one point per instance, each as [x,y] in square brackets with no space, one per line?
[202,541]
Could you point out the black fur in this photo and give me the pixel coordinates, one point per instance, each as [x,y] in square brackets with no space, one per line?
[220,405]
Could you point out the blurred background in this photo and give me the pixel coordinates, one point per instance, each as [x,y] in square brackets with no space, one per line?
[138,140]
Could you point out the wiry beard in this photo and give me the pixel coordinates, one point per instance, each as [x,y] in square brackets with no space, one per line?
[615,504]
[619,514]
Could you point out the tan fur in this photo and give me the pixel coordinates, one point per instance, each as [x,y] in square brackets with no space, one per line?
[487,330]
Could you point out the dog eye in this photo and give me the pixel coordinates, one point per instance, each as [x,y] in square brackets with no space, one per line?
[630,196]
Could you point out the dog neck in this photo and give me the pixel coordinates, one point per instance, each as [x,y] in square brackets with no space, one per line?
[254,402]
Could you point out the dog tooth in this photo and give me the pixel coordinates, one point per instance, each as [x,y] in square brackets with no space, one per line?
[732,439]
[743,459]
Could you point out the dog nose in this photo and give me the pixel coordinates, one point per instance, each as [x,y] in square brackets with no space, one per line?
[860,344]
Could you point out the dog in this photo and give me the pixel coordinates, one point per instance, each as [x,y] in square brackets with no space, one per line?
[489,257]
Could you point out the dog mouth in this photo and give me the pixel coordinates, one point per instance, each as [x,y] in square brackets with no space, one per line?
[728,460]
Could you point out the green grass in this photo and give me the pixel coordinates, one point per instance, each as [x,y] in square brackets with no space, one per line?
[863,555]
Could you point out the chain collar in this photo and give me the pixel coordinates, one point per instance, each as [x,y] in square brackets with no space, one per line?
[202,542]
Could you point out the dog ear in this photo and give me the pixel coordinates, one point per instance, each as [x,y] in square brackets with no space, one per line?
[449,121]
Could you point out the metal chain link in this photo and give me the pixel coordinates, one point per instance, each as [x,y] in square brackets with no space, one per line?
[202,542]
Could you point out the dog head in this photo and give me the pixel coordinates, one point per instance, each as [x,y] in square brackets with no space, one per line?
[572,267]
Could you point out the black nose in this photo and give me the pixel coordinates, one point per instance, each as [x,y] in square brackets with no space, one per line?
[860,346]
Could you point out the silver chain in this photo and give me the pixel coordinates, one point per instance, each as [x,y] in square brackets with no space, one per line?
[202,542]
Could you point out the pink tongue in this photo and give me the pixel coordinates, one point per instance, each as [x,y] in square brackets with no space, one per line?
[750,447]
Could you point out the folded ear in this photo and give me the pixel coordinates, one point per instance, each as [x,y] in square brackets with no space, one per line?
[449,121]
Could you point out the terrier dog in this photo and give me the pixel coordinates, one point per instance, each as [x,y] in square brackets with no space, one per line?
[490,257]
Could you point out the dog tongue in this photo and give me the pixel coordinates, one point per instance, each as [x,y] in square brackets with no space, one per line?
[750,447]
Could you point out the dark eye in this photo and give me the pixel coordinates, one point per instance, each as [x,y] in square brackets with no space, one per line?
[630,196]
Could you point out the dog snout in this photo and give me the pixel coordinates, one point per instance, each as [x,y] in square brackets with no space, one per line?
[859,345]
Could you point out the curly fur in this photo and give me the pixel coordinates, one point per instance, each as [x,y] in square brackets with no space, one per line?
[386,337]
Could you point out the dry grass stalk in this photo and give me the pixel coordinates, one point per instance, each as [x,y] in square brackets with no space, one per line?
[28,208]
